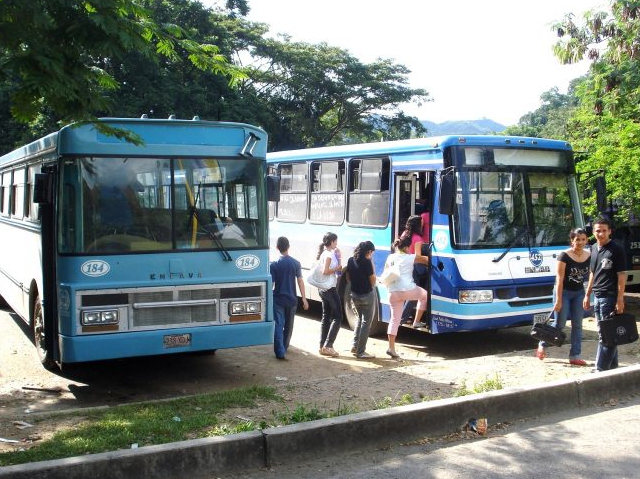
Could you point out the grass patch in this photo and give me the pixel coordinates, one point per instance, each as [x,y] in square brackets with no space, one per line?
[304,413]
[387,401]
[487,385]
[145,424]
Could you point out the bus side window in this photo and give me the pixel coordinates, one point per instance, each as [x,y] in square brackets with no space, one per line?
[17,187]
[293,192]
[271,171]
[4,193]
[369,192]
[327,195]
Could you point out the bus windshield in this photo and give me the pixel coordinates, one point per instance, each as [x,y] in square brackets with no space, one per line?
[498,209]
[119,205]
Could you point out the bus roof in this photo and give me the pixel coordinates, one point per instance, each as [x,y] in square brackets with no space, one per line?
[418,144]
[162,137]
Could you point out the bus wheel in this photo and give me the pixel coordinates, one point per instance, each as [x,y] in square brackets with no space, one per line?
[39,338]
[350,313]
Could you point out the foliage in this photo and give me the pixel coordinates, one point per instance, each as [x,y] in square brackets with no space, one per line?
[157,57]
[145,424]
[613,145]
[57,53]
[321,95]
[606,125]
[551,119]
[304,413]
[480,387]
[387,401]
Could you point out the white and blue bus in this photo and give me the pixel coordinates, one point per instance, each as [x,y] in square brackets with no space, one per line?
[116,249]
[500,211]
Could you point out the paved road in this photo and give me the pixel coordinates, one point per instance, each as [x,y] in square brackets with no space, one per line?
[591,443]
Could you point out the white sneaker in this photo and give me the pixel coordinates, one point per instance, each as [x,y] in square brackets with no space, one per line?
[365,355]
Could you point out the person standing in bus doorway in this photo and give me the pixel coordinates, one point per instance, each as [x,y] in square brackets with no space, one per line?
[607,280]
[362,277]
[404,289]
[571,271]
[414,230]
[331,306]
[284,273]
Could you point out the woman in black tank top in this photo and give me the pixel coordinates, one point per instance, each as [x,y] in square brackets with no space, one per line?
[572,270]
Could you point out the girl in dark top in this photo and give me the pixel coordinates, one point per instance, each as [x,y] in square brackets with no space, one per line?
[572,270]
[361,275]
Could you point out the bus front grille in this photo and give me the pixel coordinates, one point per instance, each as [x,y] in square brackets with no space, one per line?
[173,306]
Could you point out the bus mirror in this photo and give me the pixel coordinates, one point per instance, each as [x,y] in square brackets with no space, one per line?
[447,200]
[273,188]
[43,188]
[601,194]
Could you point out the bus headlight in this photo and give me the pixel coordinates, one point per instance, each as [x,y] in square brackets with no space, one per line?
[244,307]
[91,318]
[475,296]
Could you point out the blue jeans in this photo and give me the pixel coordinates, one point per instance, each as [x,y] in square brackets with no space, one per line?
[364,306]
[283,317]
[607,356]
[331,316]
[571,309]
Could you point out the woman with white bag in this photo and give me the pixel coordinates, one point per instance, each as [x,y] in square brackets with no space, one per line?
[403,289]
[331,305]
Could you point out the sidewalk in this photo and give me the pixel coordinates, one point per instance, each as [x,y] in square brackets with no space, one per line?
[380,428]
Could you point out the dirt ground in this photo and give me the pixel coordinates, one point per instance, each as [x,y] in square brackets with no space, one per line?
[431,367]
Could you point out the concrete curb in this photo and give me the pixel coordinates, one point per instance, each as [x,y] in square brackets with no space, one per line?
[210,456]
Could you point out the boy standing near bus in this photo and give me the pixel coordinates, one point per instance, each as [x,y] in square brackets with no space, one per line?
[285,272]
[607,280]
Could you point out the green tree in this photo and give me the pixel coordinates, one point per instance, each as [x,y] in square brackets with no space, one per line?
[606,126]
[551,119]
[321,95]
[303,95]
[57,53]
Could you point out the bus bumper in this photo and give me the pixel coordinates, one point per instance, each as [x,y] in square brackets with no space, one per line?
[74,349]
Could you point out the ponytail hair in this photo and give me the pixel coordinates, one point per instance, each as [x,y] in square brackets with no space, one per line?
[327,239]
[413,226]
[362,249]
[403,242]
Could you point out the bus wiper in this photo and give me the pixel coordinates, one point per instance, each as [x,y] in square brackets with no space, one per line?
[194,212]
[523,232]
[223,251]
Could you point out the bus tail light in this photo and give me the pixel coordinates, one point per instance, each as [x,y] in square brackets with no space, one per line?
[475,296]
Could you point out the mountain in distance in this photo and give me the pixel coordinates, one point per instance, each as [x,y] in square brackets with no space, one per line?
[463,127]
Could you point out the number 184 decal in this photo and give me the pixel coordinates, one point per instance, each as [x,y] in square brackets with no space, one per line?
[95,268]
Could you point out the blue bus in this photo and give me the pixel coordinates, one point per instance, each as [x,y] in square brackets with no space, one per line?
[500,211]
[116,249]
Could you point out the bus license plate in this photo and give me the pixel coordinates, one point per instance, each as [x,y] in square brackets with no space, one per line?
[540,318]
[177,340]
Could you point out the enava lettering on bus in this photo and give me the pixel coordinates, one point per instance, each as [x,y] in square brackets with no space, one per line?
[95,267]
[161,276]
[247,262]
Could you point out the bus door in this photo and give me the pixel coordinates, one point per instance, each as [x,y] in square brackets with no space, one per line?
[405,201]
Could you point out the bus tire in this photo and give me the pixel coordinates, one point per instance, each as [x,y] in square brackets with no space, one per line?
[40,338]
[351,315]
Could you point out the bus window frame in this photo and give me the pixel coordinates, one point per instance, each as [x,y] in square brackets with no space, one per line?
[339,190]
[385,172]
[292,191]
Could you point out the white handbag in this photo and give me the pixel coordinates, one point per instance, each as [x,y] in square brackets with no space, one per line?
[319,280]
[390,274]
